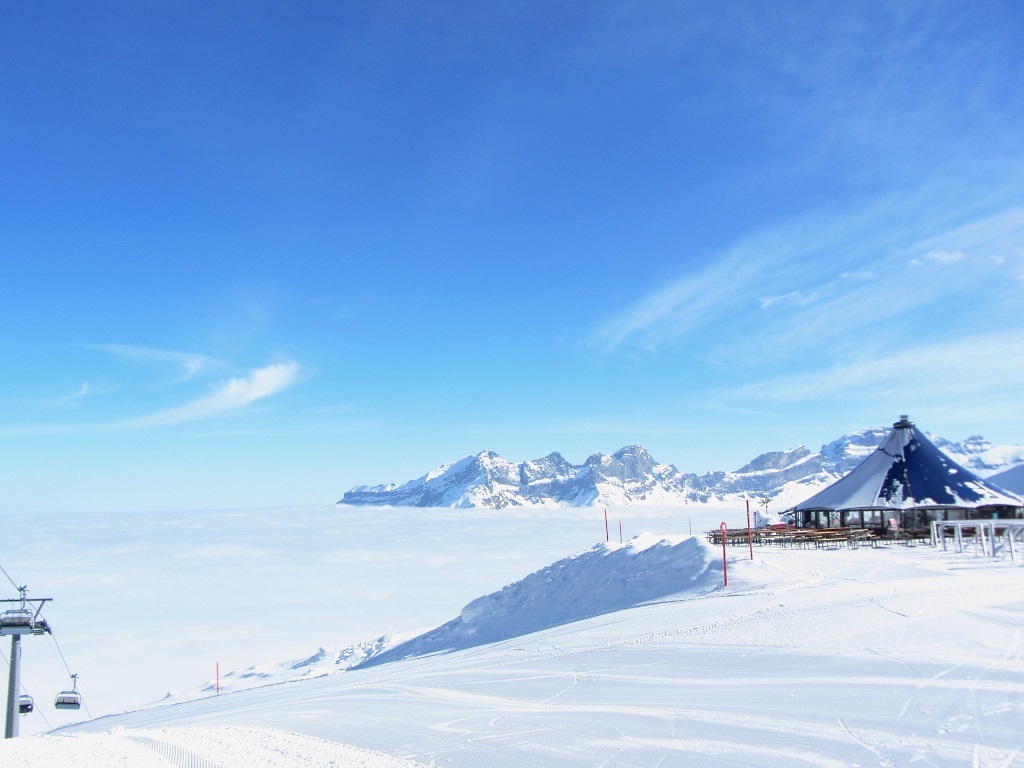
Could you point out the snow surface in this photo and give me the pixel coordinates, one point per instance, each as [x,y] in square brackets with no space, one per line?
[205,747]
[607,577]
[325,661]
[891,657]
[148,603]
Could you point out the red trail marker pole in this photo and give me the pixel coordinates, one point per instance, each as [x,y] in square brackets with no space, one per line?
[750,534]
[620,531]
[607,536]
[725,564]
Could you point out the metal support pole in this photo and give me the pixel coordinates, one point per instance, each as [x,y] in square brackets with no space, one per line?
[13,688]
[725,562]
[750,533]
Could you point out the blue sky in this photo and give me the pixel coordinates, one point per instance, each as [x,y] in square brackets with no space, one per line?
[257,253]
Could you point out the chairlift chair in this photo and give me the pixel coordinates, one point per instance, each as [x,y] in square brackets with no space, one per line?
[68,700]
[25,704]
[18,621]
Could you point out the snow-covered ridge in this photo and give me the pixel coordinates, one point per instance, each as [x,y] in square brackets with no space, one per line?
[326,661]
[632,476]
[607,577]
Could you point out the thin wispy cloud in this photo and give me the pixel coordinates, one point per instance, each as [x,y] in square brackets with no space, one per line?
[231,395]
[190,363]
[797,296]
[699,299]
[71,400]
[226,397]
[940,257]
[758,271]
[979,368]
[819,281]
[735,409]
[914,285]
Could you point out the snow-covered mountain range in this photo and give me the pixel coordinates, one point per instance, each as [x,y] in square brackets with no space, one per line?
[632,476]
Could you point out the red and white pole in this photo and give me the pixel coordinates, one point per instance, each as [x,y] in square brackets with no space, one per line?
[607,536]
[750,534]
[725,563]
[620,531]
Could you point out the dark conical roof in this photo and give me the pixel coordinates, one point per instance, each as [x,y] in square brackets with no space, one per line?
[907,471]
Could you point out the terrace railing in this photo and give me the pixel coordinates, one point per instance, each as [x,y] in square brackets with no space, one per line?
[819,538]
[987,538]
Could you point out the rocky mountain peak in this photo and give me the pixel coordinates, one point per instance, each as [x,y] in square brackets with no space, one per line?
[775,460]
[632,476]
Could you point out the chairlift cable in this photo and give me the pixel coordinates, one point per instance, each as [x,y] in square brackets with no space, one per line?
[84,705]
[59,650]
[54,655]
[74,678]
[66,667]
[49,727]
[14,584]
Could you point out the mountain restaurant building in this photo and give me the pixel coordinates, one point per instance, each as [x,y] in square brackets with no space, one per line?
[905,483]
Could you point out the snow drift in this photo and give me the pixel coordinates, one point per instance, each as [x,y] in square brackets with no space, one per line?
[325,661]
[605,578]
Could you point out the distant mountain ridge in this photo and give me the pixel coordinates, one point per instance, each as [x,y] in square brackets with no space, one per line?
[1010,479]
[632,476]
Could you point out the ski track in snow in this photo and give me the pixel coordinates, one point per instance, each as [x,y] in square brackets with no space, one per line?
[898,657]
[893,657]
[175,755]
[194,747]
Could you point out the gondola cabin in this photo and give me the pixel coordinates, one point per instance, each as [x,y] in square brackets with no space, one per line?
[25,704]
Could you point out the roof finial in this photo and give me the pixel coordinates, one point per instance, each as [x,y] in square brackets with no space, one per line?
[903,422]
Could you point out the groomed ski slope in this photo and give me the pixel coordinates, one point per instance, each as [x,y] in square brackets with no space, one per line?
[203,747]
[892,657]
